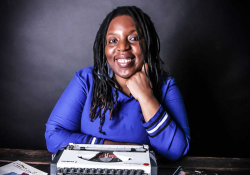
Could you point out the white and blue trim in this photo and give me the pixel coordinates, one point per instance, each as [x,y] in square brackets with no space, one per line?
[93,140]
[157,123]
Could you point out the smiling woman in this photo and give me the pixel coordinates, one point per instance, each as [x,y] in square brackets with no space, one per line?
[123,50]
[126,97]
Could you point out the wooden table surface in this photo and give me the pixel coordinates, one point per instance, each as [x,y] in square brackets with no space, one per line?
[40,159]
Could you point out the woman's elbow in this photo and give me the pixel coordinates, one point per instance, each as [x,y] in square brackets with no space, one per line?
[179,150]
[50,143]
[51,149]
[176,151]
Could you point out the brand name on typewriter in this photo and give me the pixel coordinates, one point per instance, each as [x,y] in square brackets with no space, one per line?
[69,161]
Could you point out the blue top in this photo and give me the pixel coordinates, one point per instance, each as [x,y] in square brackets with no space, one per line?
[167,132]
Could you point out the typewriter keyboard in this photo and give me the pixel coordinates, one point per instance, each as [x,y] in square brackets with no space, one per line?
[91,171]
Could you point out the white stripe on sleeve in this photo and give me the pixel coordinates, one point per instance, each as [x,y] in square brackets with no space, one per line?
[159,124]
[93,141]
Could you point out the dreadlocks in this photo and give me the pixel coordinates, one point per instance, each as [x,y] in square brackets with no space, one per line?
[102,98]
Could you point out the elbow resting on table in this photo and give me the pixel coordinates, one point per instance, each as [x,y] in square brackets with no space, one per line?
[176,149]
[54,141]
[49,143]
[179,149]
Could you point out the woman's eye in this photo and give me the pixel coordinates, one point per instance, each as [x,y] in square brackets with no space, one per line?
[134,38]
[111,41]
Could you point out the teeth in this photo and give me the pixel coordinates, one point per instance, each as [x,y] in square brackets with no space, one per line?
[124,60]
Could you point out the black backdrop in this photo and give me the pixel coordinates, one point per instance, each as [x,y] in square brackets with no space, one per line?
[204,45]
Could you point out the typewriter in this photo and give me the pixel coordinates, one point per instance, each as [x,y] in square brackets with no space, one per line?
[81,159]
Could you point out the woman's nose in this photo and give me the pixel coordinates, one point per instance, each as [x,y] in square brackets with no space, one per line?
[123,45]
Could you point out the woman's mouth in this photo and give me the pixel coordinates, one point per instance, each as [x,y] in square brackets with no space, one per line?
[123,63]
[123,60]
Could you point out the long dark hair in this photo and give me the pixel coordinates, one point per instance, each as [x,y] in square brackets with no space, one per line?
[102,98]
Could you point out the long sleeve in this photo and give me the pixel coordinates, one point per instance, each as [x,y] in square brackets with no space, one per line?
[64,124]
[168,129]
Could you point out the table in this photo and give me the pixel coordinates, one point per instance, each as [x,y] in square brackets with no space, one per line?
[40,159]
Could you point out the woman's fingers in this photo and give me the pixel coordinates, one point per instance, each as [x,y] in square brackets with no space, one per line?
[144,70]
[139,84]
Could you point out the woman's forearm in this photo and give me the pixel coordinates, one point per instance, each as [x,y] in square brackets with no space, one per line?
[110,142]
[149,106]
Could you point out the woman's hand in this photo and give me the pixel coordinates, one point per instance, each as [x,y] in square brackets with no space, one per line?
[139,85]
[141,88]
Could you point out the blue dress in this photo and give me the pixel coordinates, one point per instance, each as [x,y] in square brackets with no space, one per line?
[167,132]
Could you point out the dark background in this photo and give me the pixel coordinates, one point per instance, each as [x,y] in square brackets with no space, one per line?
[205,45]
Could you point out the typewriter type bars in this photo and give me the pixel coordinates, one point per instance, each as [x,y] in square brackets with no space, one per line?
[81,159]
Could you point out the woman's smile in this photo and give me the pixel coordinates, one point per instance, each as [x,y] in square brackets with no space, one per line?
[124,61]
[122,47]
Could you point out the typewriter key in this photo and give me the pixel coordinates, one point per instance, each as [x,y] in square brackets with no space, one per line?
[65,170]
[125,172]
[85,171]
[59,171]
[72,171]
[131,172]
[91,171]
[118,172]
[105,171]
[78,171]
[138,172]
[112,172]
[98,171]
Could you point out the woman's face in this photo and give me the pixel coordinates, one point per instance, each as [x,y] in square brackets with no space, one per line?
[122,47]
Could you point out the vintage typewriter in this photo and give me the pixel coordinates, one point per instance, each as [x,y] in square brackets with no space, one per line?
[104,160]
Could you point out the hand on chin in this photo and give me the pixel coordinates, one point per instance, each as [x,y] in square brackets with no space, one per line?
[139,85]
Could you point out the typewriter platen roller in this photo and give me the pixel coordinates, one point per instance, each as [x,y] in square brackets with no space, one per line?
[81,159]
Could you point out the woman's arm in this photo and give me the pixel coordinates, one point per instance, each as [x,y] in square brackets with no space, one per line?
[141,89]
[110,142]
[64,124]
[168,129]
[168,132]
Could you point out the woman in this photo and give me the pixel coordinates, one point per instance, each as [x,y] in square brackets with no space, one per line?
[125,98]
